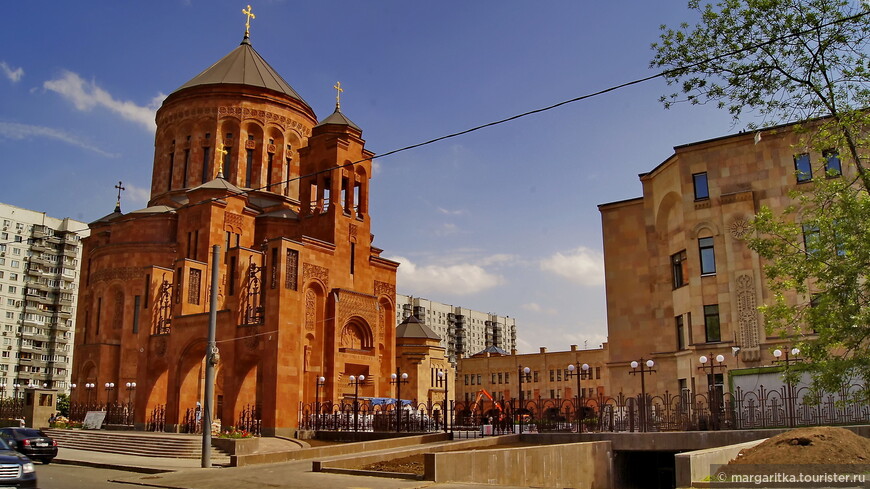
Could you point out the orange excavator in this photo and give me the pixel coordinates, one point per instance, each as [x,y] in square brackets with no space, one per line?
[480,394]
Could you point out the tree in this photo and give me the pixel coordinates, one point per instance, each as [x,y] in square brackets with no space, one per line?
[63,404]
[807,61]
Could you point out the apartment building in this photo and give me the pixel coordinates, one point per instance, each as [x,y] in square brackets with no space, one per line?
[463,331]
[40,258]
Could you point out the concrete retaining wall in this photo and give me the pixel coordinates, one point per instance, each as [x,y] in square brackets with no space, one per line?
[576,465]
[363,459]
[698,465]
[334,450]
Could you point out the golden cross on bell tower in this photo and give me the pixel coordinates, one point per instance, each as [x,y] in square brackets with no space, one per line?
[222,152]
[250,15]
[338,91]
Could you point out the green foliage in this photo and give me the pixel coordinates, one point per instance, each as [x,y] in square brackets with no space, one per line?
[817,263]
[63,404]
[786,59]
[804,60]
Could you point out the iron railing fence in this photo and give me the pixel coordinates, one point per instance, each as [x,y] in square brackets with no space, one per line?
[785,407]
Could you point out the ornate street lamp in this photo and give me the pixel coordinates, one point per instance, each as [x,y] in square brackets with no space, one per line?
[578,410]
[355,382]
[16,386]
[320,382]
[89,386]
[3,390]
[778,354]
[110,386]
[524,373]
[441,380]
[131,387]
[638,368]
[713,398]
[398,379]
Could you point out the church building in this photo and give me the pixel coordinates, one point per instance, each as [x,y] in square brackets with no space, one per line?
[240,161]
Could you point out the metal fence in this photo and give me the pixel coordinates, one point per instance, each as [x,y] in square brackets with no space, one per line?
[786,407]
[117,413]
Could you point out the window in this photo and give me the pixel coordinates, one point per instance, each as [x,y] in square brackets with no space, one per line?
[552,375]
[708,256]
[711,323]
[833,168]
[681,332]
[680,269]
[802,168]
[811,238]
[702,192]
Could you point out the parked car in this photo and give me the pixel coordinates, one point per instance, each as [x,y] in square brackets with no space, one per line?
[31,442]
[16,470]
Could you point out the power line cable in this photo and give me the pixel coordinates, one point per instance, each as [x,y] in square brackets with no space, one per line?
[672,71]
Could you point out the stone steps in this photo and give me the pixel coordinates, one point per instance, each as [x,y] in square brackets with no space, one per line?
[127,443]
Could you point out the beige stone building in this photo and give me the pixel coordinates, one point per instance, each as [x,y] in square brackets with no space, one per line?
[680,281]
[420,355]
[497,372]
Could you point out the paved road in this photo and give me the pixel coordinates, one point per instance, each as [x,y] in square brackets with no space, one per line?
[57,476]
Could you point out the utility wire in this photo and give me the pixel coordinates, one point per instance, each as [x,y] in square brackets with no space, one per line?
[665,73]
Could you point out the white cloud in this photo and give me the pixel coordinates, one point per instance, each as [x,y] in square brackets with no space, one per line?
[136,196]
[535,307]
[432,280]
[86,95]
[581,265]
[449,212]
[11,130]
[13,75]
[447,229]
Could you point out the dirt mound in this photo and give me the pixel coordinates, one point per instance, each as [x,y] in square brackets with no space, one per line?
[407,465]
[815,445]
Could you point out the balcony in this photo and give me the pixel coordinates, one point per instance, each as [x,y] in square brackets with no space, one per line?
[70,252]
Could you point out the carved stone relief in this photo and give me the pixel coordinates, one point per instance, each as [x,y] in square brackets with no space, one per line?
[310,271]
[310,310]
[747,312]
[121,273]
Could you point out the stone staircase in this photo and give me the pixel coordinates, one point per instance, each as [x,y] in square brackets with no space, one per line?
[142,444]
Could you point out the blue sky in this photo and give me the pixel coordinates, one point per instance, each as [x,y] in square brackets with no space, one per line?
[501,220]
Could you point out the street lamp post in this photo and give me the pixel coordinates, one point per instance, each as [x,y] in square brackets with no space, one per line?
[89,387]
[321,381]
[3,390]
[355,382]
[524,373]
[778,354]
[713,401]
[399,378]
[439,381]
[110,386]
[578,410]
[638,368]
[131,388]
[15,387]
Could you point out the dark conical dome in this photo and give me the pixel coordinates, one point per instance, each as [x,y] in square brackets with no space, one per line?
[243,66]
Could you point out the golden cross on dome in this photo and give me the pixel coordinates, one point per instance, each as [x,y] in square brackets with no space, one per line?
[338,91]
[250,15]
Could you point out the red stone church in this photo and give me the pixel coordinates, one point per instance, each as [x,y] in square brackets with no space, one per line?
[240,161]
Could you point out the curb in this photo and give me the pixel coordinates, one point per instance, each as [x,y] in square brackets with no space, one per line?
[100,465]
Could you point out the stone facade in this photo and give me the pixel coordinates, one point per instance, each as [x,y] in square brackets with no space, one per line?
[303,292]
[499,375]
[680,281]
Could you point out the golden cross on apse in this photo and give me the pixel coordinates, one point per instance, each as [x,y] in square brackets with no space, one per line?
[250,15]
[338,91]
